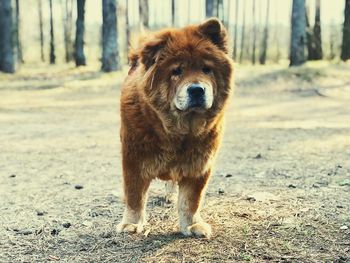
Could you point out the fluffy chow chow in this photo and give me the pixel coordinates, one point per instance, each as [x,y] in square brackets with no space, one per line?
[172,108]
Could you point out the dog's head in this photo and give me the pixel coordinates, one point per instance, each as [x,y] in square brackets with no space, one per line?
[187,72]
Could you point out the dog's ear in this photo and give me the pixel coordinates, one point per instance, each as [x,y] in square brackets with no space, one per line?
[215,31]
[152,48]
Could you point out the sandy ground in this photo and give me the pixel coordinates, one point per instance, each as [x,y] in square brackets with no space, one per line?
[280,191]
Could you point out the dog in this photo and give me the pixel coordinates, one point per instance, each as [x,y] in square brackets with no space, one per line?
[172,107]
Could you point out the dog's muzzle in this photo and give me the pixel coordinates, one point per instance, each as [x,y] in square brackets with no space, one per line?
[194,96]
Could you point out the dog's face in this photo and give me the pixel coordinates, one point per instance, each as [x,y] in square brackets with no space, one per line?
[188,71]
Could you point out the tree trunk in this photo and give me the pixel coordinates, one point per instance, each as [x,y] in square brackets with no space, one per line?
[345,49]
[242,36]
[317,32]
[79,35]
[52,37]
[127,25]
[40,8]
[209,8]
[254,34]
[310,43]
[67,29]
[143,11]
[263,52]
[110,55]
[236,31]
[6,51]
[297,52]
[173,12]
[17,35]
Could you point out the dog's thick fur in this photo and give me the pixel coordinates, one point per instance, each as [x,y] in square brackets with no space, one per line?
[160,141]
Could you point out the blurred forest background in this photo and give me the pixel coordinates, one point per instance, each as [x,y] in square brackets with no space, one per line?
[88,32]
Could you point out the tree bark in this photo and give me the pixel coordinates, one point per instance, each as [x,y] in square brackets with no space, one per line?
[209,8]
[173,12]
[297,52]
[6,48]
[345,49]
[254,33]
[40,8]
[17,35]
[110,55]
[263,53]
[317,32]
[79,35]
[236,31]
[67,29]
[127,25]
[52,37]
[242,36]
[310,43]
[143,11]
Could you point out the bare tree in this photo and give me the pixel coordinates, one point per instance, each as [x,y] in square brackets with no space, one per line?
[110,54]
[297,53]
[235,31]
[317,32]
[310,43]
[143,11]
[242,35]
[173,12]
[40,8]
[345,49]
[209,8]
[52,37]
[67,10]
[265,38]
[254,33]
[6,51]
[79,36]
[127,25]
[17,34]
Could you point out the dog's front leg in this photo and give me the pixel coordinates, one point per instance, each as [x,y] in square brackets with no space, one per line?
[135,194]
[191,191]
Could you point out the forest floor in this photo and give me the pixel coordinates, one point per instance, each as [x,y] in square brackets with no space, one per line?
[280,191]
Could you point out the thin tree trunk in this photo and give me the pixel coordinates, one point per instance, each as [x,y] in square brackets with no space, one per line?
[297,53]
[52,37]
[173,12]
[242,36]
[317,32]
[110,55]
[236,31]
[6,51]
[40,8]
[263,52]
[345,49]
[254,34]
[310,43]
[17,32]
[209,8]
[67,29]
[143,11]
[127,25]
[79,36]
[332,41]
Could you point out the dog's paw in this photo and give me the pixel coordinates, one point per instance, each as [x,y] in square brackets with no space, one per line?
[200,229]
[129,228]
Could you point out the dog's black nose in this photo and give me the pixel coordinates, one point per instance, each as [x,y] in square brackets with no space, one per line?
[195,91]
[196,95]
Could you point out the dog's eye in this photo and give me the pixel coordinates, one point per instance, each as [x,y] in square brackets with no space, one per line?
[177,71]
[206,70]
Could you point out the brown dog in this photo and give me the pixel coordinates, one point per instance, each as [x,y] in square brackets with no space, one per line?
[172,107]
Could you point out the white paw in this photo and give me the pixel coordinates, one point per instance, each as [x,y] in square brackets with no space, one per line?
[129,228]
[200,229]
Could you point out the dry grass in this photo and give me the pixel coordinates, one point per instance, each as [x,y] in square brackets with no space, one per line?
[283,172]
